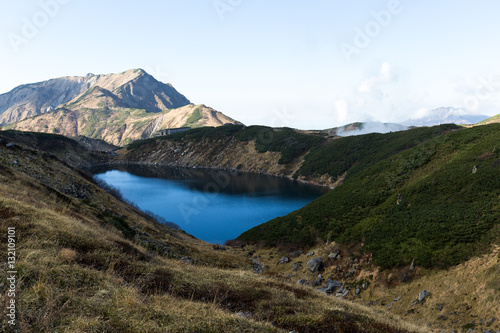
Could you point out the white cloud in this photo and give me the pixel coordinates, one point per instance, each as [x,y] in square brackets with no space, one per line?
[387,73]
[341,108]
[367,85]
[372,84]
[420,113]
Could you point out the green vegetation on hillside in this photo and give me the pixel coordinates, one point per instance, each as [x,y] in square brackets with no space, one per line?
[355,153]
[193,118]
[489,120]
[425,203]
[284,140]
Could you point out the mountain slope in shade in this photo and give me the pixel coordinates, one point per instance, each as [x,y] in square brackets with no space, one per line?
[120,126]
[446,115]
[132,89]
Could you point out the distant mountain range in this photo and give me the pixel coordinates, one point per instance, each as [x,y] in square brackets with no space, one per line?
[445,115]
[117,108]
[435,117]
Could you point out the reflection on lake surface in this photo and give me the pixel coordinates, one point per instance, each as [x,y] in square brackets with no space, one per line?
[209,204]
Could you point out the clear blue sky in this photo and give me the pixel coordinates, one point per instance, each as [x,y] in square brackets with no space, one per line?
[281,63]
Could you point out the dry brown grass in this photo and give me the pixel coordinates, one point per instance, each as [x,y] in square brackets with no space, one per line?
[471,289]
[68,255]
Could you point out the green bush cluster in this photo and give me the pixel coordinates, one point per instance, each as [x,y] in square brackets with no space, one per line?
[284,140]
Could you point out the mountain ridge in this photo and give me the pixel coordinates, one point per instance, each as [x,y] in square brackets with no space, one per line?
[134,88]
[118,108]
[445,115]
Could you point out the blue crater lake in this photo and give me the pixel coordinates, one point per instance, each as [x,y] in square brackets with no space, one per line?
[214,206]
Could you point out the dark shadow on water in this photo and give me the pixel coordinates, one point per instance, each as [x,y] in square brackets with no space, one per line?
[226,182]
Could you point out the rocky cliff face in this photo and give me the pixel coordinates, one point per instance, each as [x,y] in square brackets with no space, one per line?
[131,89]
[226,153]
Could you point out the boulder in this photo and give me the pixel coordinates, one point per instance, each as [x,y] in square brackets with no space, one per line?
[330,286]
[315,265]
[283,260]
[340,291]
[296,254]
[310,254]
[301,282]
[258,268]
[332,283]
[423,295]
[334,256]
[218,247]
[296,266]
[315,283]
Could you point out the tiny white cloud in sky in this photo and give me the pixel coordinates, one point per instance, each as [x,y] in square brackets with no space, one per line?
[341,108]
[371,84]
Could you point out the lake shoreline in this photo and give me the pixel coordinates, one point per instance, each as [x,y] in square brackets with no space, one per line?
[330,185]
[212,204]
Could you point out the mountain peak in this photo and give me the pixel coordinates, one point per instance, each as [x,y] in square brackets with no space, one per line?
[133,88]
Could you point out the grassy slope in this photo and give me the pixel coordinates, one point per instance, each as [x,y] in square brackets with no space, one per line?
[494,119]
[445,214]
[97,264]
